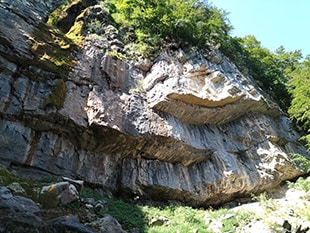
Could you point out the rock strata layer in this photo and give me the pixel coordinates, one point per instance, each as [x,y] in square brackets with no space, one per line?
[184,126]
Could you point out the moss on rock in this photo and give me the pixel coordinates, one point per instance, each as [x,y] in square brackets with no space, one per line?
[57,97]
[19,186]
[6,177]
[53,50]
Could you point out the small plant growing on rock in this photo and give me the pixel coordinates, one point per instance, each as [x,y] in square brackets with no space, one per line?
[115,54]
[95,27]
[57,97]
[300,184]
[301,162]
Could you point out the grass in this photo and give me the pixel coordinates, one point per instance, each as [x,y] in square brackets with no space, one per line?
[181,219]
[58,13]
[30,189]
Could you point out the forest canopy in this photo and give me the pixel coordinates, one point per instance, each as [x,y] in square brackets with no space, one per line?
[148,23]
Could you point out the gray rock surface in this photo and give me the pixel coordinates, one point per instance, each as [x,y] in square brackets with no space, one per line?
[69,223]
[20,214]
[107,224]
[60,193]
[188,127]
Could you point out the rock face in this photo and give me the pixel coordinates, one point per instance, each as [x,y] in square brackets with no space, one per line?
[20,214]
[184,126]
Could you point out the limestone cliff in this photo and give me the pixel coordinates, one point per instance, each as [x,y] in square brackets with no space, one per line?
[185,126]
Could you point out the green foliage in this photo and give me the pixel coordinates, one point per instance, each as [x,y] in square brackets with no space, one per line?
[300,184]
[56,55]
[96,27]
[55,15]
[301,162]
[231,220]
[181,219]
[6,177]
[149,23]
[300,106]
[128,214]
[57,97]
[116,55]
[272,71]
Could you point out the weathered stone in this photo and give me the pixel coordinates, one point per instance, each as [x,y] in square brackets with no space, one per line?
[19,213]
[14,141]
[256,227]
[69,223]
[78,184]
[60,193]
[198,132]
[203,96]
[107,224]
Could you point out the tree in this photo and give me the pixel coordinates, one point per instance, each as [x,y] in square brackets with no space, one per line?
[190,22]
[271,71]
[300,106]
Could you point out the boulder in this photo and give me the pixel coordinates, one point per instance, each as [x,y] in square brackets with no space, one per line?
[68,223]
[107,224]
[18,214]
[60,193]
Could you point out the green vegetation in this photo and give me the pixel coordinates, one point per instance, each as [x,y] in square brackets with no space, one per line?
[300,106]
[58,13]
[18,186]
[271,70]
[301,161]
[57,97]
[171,218]
[183,219]
[74,33]
[55,55]
[116,55]
[128,214]
[147,24]
[300,184]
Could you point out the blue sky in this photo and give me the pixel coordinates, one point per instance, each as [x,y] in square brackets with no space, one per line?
[272,22]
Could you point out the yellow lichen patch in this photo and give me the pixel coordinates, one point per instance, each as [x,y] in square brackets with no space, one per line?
[52,49]
[49,198]
[75,33]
